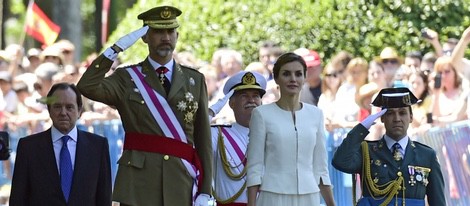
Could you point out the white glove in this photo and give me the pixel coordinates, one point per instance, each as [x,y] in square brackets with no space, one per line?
[370,120]
[221,103]
[202,200]
[126,41]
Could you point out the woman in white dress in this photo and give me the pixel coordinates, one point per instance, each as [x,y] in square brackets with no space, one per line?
[287,158]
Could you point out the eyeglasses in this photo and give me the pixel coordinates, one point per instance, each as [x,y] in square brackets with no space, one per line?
[391,61]
[331,75]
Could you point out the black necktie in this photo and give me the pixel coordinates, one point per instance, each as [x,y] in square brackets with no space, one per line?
[397,155]
[161,71]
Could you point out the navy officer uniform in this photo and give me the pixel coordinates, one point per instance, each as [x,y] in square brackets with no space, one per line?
[394,170]
[229,142]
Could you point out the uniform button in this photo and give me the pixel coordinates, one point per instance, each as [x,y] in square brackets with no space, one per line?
[142,102]
[399,174]
[166,157]
[97,66]
[129,162]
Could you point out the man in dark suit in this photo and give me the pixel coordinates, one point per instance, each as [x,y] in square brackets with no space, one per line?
[394,170]
[62,165]
[167,157]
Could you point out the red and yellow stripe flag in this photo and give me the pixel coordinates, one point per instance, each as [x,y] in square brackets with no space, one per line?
[40,27]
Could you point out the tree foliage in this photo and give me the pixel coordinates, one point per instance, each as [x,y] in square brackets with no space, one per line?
[361,27]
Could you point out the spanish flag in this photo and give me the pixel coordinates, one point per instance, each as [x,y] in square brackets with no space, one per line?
[40,27]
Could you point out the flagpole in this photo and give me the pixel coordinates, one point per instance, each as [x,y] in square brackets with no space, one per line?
[29,10]
[2,37]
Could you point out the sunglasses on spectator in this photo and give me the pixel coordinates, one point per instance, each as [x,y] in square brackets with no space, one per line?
[331,75]
[391,61]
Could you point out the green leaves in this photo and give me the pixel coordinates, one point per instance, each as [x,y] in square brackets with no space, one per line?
[361,27]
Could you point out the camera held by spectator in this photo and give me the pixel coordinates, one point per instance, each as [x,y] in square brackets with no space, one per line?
[4,145]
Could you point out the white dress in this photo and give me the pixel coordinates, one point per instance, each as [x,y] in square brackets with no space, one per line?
[287,160]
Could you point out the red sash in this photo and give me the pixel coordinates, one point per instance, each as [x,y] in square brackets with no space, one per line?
[163,145]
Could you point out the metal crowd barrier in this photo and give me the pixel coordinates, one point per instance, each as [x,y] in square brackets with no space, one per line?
[452,145]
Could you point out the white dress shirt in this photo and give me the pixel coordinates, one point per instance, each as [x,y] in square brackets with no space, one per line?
[71,144]
[168,65]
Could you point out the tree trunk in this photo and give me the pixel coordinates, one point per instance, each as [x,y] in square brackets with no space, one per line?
[66,13]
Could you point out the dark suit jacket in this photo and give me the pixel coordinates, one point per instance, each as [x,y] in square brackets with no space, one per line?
[36,179]
[383,168]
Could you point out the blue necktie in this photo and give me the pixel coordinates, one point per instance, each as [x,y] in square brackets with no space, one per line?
[66,171]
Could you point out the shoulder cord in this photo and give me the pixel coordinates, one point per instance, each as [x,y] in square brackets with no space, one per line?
[225,163]
[231,199]
[391,188]
[228,171]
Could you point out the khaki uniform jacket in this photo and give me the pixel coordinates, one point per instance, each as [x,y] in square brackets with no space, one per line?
[145,178]
[383,168]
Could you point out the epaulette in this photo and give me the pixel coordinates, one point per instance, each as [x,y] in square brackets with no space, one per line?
[221,125]
[422,144]
[188,67]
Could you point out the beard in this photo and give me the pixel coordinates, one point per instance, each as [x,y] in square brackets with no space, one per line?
[164,50]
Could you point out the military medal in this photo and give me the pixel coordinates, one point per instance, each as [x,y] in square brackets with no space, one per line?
[161,73]
[423,175]
[419,178]
[411,171]
[162,76]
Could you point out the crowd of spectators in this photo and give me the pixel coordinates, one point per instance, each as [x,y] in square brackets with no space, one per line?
[342,87]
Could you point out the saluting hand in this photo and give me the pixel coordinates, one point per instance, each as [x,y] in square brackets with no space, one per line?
[216,107]
[127,41]
[124,43]
[370,120]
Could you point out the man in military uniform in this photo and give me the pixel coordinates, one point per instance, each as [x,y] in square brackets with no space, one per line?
[394,170]
[229,143]
[163,106]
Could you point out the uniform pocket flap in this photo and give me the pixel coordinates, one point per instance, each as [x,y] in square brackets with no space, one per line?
[131,158]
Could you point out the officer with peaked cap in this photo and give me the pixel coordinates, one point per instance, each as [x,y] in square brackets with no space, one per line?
[166,161]
[394,170]
[243,91]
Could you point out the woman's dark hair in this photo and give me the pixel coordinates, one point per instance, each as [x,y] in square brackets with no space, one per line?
[287,58]
[425,93]
[65,86]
